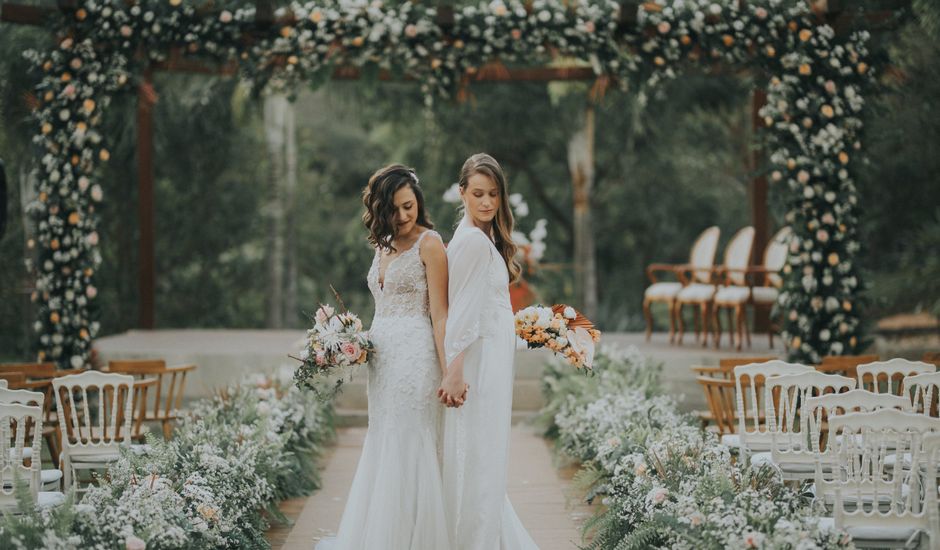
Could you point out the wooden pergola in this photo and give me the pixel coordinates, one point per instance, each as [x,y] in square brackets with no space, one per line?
[832,12]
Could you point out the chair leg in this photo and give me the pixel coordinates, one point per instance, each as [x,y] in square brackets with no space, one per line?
[705,309]
[747,329]
[671,306]
[66,466]
[740,326]
[716,321]
[167,430]
[677,308]
[649,318]
[730,326]
[696,323]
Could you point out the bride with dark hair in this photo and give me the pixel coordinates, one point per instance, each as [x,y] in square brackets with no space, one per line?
[396,498]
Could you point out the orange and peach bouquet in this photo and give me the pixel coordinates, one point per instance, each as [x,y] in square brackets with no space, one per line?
[561,329]
[335,345]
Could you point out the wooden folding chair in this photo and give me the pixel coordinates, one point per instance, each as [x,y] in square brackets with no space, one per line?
[169,386]
[719,394]
[844,365]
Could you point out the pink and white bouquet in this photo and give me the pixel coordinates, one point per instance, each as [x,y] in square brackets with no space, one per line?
[561,329]
[335,345]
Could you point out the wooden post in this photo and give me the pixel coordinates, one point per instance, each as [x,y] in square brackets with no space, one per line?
[146,286]
[759,201]
[581,166]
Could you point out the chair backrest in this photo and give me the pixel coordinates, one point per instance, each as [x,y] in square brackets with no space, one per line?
[888,376]
[749,397]
[775,255]
[725,368]
[738,254]
[921,388]
[845,365]
[932,450]
[719,393]
[13,441]
[702,255]
[108,395]
[31,370]
[787,414]
[820,408]
[869,481]
[171,392]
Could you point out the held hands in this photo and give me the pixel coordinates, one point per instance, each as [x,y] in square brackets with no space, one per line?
[453,390]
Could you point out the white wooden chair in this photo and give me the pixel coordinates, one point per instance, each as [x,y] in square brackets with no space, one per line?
[15,421]
[50,477]
[753,435]
[820,409]
[699,269]
[791,451]
[701,295]
[922,389]
[932,452]
[880,376]
[739,289]
[877,504]
[92,441]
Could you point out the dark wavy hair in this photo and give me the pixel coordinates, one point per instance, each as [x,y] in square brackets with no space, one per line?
[378,198]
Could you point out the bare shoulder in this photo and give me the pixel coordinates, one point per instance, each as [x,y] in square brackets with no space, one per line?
[431,246]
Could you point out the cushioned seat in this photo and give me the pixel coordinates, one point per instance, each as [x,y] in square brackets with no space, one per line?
[732,295]
[663,290]
[765,294]
[697,292]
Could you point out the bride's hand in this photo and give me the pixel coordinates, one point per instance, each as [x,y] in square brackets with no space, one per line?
[453,391]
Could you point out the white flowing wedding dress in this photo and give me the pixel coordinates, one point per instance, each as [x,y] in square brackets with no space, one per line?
[480,325]
[395,501]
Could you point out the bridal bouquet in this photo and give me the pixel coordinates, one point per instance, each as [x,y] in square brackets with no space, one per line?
[334,347]
[561,329]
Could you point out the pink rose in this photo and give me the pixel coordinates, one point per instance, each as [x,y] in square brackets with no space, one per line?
[126,31]
[411,31]
[91,292]
[225,16]
[516,34]
[69,91]
[351,350]
[321,358]
[589,26]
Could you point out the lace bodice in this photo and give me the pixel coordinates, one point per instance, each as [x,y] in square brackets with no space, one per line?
[405,290]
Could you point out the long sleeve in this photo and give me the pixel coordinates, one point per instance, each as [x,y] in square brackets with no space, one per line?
[468,259]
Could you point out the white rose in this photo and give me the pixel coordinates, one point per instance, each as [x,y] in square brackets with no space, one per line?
[570,313]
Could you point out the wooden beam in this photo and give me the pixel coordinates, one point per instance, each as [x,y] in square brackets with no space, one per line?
[146,261]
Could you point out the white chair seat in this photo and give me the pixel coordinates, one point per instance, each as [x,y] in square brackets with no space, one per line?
[762,458]
[48,499]
[732,295]
[871,533]
[662,291]
[765,294]
[867,498]
[733,441]
[697,292]
[27,453]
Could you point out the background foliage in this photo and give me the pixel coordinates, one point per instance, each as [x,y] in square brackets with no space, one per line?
[664,173]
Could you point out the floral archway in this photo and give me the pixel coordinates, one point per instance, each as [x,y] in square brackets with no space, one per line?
[815,83]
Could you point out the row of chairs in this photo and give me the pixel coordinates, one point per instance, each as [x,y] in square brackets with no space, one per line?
[708,288]
[91,415]
[868,444]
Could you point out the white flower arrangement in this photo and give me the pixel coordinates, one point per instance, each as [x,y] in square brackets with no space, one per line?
[664,481]
[206,488]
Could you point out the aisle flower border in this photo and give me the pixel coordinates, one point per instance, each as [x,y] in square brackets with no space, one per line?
[216,484]
[662,480]
[815,87]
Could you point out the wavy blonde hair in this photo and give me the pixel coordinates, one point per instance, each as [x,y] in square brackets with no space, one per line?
[483,164]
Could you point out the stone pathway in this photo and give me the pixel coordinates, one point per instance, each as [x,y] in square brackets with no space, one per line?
[537,490]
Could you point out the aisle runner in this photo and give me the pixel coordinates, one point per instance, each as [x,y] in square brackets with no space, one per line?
[535,488]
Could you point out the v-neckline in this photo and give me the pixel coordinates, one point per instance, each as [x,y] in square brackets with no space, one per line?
[381,278]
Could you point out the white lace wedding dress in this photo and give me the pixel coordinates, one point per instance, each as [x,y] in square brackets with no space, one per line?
[395,501]
[480,325]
